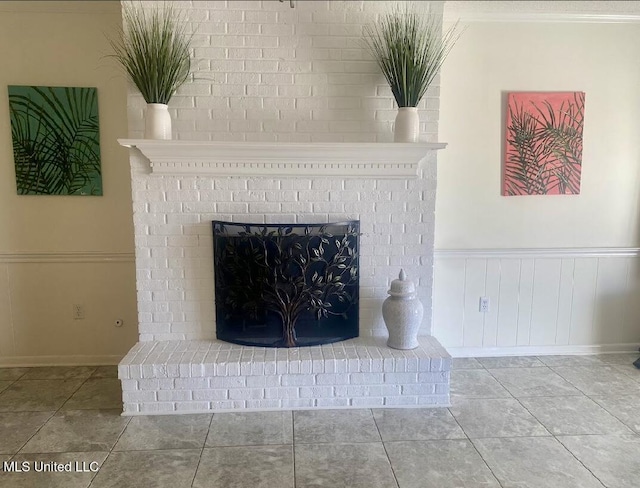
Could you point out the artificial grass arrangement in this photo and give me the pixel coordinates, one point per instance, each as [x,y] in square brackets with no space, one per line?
[155,51]
[410,50]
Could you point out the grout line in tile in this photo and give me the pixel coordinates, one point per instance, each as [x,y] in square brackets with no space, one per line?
[74,392]
[576,458]
[204,444]
[501,384]
[566,379]
[614,415]
[386,453]
[110,451]
[225,447]
[536,418]
[293,448]
[610,414]
[486,463]
[53,413]
[466,436]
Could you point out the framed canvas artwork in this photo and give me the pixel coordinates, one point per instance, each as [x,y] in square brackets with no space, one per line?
[56,140]
[543,154]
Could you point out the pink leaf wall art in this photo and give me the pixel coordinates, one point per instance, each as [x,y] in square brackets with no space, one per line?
[543,153]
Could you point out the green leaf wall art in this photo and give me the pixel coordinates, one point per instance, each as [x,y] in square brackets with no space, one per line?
[56,140]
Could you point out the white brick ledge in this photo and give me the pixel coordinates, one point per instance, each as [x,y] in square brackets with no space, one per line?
[164,377]
[279,159]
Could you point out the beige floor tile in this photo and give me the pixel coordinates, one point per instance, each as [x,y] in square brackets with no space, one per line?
[441,464]
[465,363]
[362,465]
[626,408]
[12,374]
[599,380]
[37,395]
[251,429]
[408,424]
[4,385]
[571,360]
[96,393]
[534,462]
[165,432]
[573,416]
[496,417]
[614,459]
[16,428]
[149,469]
[526,382]
[476,384]
[511,362]
[59,373]
[246,467]
[105,372]
[333,426]
[78,430]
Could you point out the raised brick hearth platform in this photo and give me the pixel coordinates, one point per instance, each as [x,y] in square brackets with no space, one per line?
[166,377]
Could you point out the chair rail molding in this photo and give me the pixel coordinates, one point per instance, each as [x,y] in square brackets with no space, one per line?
[530,253]
[66,257]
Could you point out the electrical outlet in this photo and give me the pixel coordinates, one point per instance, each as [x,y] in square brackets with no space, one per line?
[485,304]
[78,311]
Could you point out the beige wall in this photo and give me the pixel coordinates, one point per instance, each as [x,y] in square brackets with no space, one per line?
[56,251]
[493,58]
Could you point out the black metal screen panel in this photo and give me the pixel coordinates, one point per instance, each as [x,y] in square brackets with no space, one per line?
[286,285]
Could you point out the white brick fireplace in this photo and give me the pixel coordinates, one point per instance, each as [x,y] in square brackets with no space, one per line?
[180,187]
[287,120]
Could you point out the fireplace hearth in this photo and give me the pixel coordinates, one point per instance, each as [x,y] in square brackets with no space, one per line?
[286,285]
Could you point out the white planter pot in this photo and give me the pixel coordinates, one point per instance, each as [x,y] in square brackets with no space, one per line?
[402,313]
[157,122]
[407,126]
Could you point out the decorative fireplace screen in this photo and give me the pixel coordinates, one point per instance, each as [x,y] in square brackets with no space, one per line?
[286,285]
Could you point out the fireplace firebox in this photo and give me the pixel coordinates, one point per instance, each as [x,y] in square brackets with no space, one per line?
[286,285]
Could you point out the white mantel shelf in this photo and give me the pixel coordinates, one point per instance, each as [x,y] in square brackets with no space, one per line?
[282,159]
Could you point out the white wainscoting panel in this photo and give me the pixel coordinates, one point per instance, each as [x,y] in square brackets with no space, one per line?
[544,301]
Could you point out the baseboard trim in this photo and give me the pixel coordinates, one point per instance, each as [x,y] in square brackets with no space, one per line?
[30,361]
[480,352]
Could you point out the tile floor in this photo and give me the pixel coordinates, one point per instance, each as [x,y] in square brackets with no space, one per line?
[557,422]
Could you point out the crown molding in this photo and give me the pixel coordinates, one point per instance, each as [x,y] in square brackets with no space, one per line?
[276,159]
[540,17]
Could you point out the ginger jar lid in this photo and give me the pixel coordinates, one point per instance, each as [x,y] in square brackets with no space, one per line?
[402,287]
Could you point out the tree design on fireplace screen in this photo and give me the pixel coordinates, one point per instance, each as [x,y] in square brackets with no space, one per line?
[286,285]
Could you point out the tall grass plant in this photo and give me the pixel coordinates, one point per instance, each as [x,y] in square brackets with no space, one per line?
[155,50]
[410,48]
